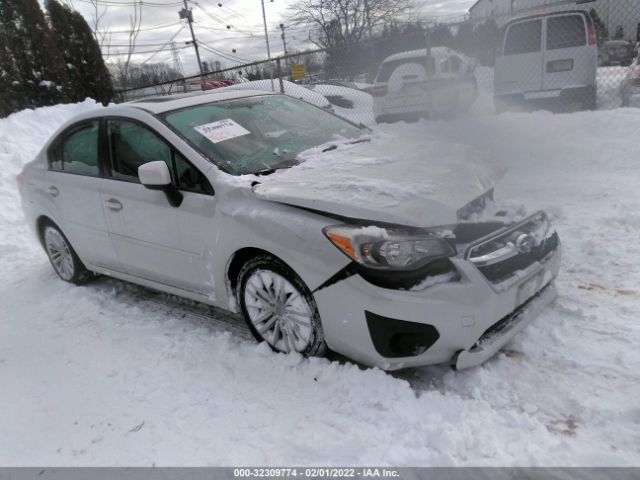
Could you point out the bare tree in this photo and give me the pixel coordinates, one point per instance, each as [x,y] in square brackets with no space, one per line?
[335,22]
[135,21]
[102,34]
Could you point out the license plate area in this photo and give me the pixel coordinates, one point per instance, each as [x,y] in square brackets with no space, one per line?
[529,288]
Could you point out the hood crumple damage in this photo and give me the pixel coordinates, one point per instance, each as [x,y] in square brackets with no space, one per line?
[390,179]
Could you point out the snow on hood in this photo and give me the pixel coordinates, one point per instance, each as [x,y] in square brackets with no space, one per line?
[389,179]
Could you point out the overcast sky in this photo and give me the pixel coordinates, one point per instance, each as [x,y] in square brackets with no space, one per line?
[160,23]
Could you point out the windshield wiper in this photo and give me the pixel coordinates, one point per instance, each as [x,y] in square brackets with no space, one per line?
[360,140]
[277,166]
[353,142]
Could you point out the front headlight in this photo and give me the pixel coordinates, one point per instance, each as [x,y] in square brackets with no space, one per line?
[391,249]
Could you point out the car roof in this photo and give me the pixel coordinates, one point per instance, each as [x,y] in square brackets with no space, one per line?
[435,52]
[165,103]
[547,14]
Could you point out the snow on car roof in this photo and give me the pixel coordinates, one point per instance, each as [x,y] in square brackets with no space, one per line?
[435,52]
[290,89]
[174,102]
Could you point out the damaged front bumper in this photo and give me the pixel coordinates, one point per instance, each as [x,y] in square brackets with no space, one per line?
[463,322]
[503,331]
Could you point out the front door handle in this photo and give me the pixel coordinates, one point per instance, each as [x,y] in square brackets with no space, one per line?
[114,205]
[53,191]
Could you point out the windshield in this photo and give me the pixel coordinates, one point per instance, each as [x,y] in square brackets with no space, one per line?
[257,134]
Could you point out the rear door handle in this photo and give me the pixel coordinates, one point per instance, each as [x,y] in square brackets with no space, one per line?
[114,205]
[53,191]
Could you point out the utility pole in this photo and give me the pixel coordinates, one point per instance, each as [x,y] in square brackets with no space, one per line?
[188,14]
[266,38]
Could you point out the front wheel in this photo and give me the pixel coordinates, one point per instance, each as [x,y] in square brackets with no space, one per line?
[278,307]
[63,258]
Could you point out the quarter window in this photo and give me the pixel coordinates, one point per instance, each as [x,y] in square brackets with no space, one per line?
[524,37]
[78,151]
[566,32]
[189,178]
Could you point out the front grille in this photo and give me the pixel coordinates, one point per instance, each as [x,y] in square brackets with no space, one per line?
[499,272]
[501,255]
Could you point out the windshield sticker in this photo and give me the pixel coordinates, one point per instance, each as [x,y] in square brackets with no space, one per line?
[222,130]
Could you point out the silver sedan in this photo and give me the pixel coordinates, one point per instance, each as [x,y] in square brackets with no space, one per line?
[301,221]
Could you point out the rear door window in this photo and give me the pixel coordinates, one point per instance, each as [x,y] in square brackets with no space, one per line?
[77,152]
[567,31]
[524,37]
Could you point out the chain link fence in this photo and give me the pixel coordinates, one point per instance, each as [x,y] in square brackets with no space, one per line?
[554,55]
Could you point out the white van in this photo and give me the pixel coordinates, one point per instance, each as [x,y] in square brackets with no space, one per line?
[425,83]
[548,61]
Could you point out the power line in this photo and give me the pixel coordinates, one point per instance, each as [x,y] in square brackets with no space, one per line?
[229,56]
[164,45]
[141,44]
[231,59]
[113,3]
[155,27]
[221,5]
[213,17]
[116,54]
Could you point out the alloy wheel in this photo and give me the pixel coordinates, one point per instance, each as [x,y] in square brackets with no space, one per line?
[278,311]
[59,253]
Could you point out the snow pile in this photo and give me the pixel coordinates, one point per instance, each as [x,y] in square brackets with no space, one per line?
[112,374]
[22,135]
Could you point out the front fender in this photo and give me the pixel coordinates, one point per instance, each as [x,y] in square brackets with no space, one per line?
[292,234]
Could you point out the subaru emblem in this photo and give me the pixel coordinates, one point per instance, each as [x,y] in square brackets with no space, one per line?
[524,243]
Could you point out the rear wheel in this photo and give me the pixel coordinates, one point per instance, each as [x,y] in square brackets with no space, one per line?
[63,258]
[278,308]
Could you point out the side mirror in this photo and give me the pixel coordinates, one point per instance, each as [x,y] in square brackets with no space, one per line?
[156,176]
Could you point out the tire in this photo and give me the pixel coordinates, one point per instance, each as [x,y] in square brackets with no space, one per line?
[63,258]
[279,308]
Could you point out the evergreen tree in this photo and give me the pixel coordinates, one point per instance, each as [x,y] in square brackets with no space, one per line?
[7,76]
[87,73]
[36,72]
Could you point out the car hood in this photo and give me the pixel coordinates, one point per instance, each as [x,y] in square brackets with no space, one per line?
[397,180]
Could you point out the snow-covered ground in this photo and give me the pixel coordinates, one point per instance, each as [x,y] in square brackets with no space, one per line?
[113,374]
